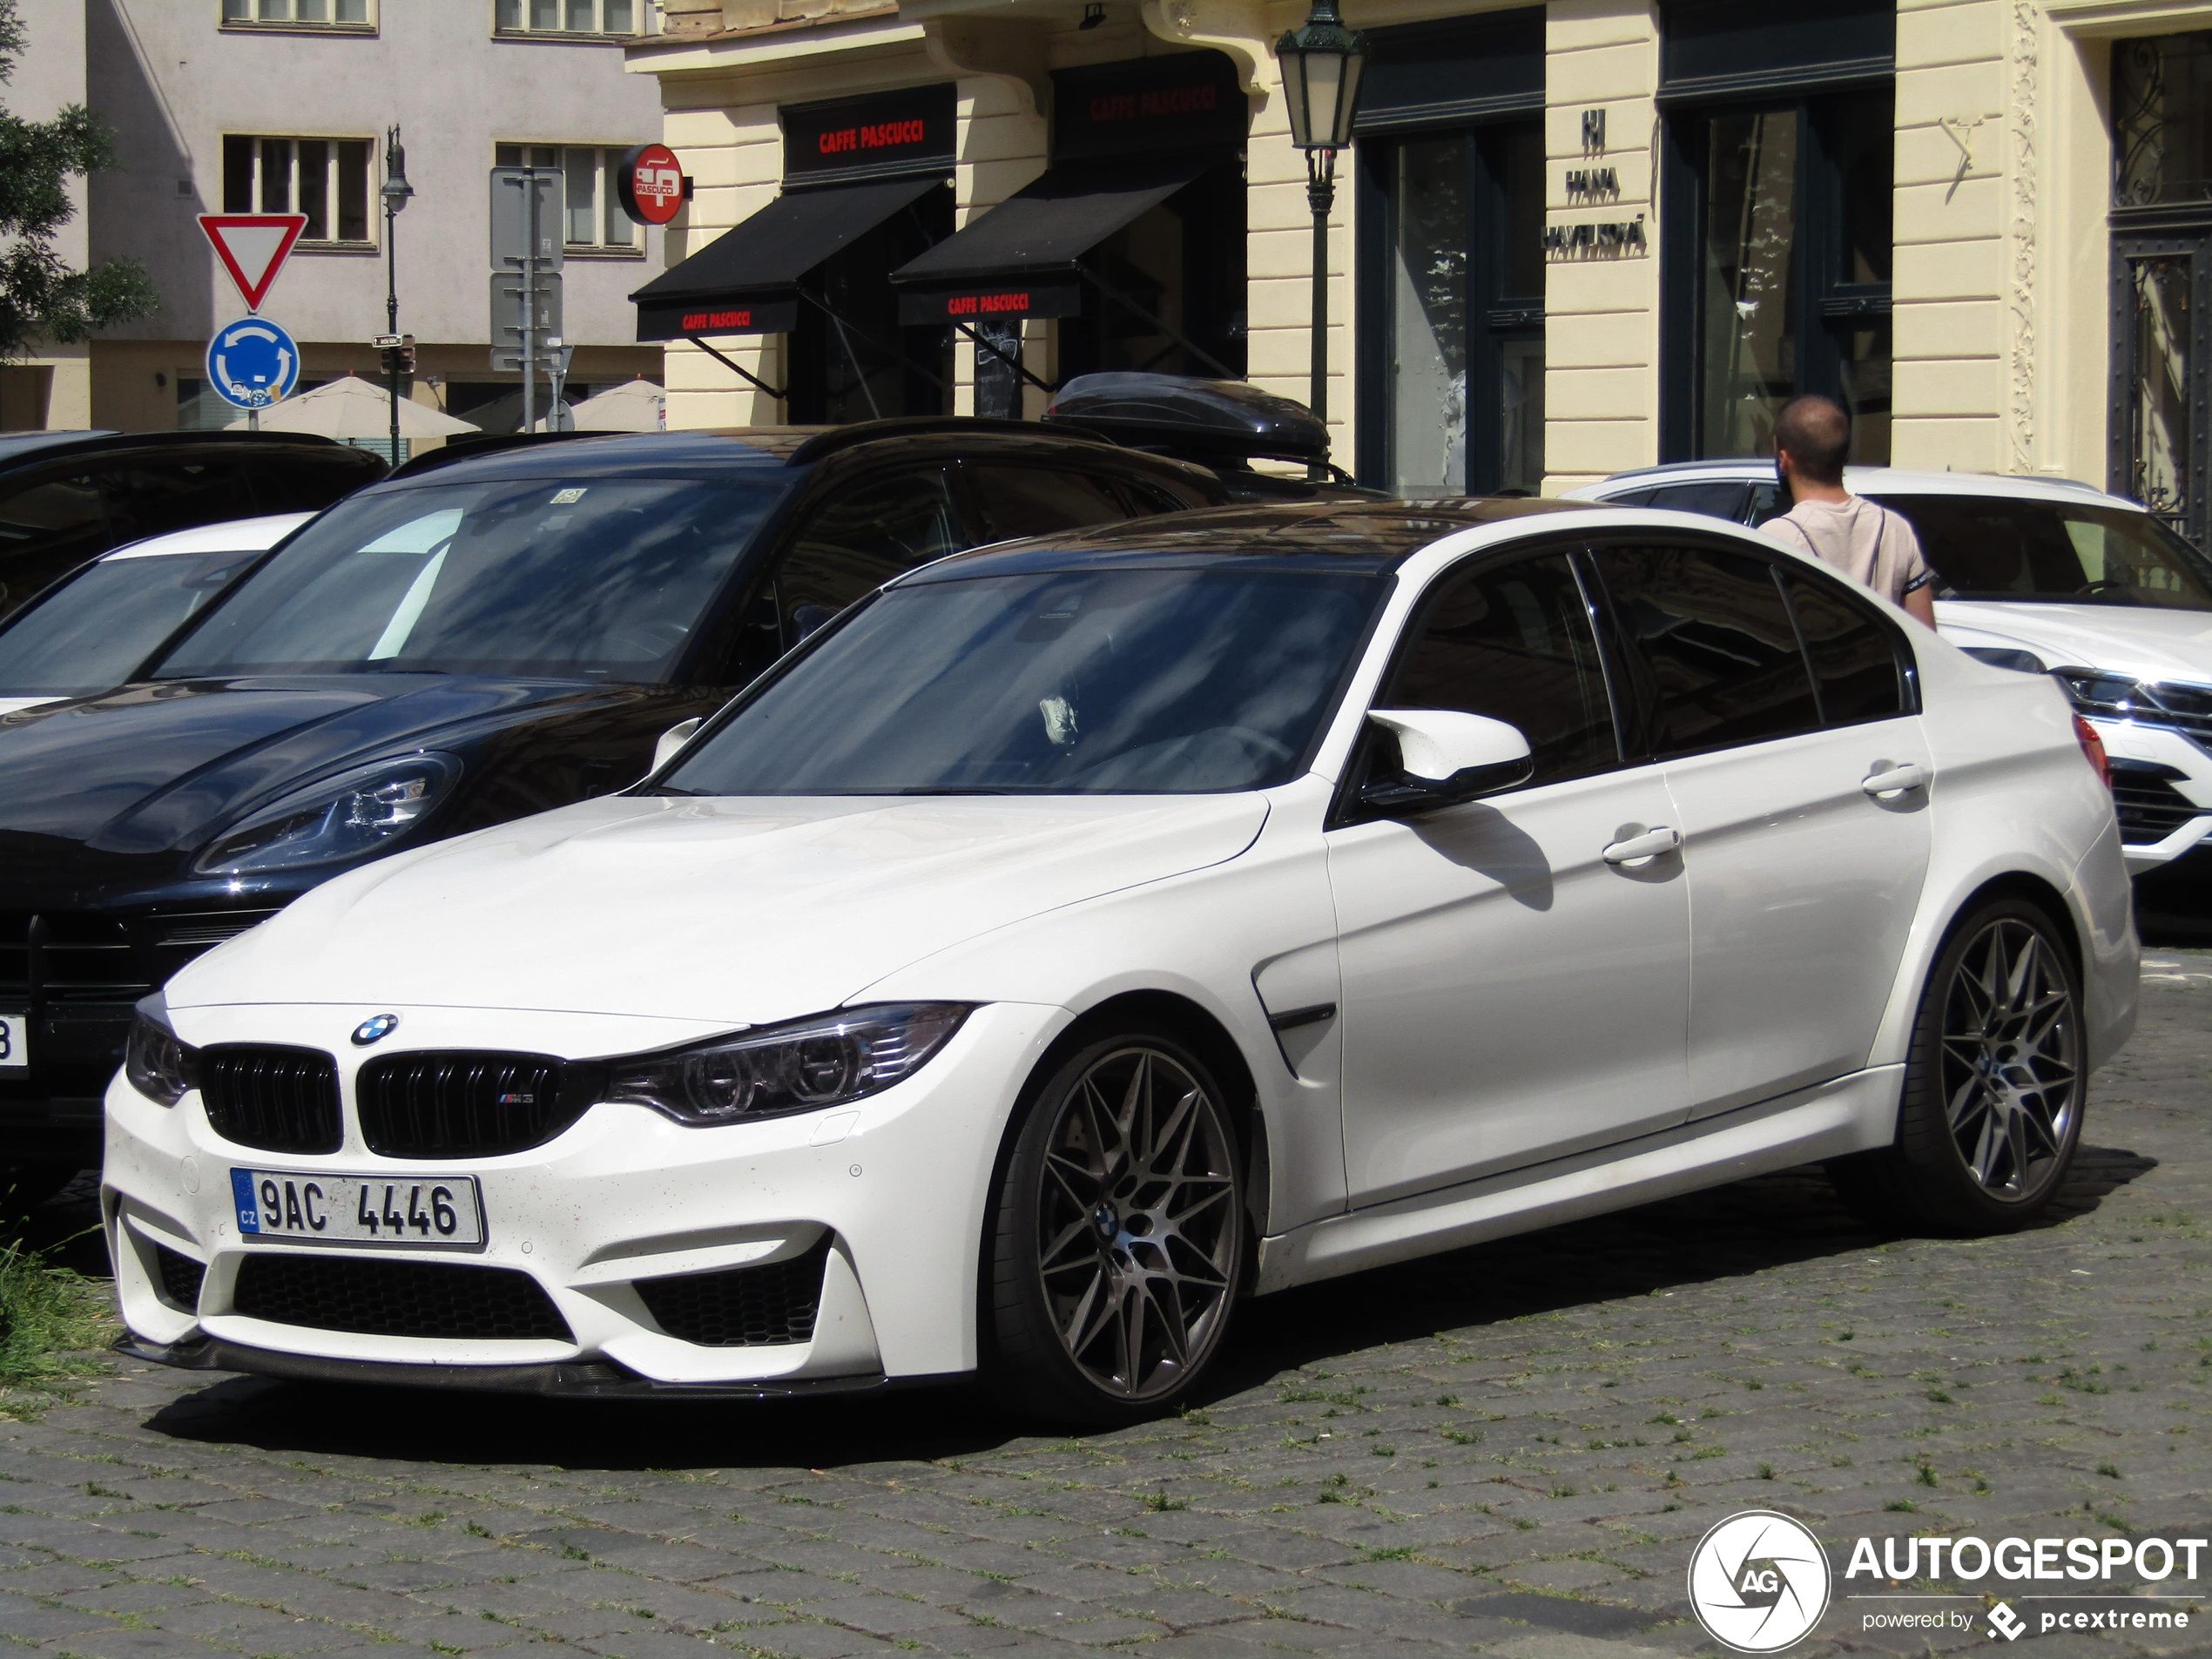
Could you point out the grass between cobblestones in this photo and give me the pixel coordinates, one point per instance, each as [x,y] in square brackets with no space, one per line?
[55,1326]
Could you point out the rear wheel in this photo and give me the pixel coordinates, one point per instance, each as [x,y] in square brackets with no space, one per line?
[1120,1237]
[1994,1085]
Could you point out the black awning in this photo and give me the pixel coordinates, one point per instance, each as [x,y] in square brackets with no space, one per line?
[746,281]
[1019,259]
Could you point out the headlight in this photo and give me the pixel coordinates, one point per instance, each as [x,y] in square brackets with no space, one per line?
[335,818]
[801,1067]
[159,1066]
[2113,696]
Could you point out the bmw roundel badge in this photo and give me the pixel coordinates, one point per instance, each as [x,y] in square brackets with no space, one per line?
[375,1030]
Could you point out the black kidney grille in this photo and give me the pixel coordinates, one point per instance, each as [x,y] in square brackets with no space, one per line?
[281,1100]
[181,1279]
[743,1307]
[436,1104]
[398,1298]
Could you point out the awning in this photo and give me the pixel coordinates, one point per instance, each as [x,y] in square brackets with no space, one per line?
[1020,259]
[746,281]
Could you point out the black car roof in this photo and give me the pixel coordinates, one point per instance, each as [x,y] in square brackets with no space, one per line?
[21,447]
[1346,535]
[687,453]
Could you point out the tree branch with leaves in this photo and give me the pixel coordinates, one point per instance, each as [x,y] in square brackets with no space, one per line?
[41,297]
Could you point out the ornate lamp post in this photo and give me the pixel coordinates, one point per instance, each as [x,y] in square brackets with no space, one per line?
[1322,63]
[396,193]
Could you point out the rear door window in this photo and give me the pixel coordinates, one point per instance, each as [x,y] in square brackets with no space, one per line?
[1709,639]
[1714,497]
[47,530]
[305,484]
[1041,501]
[1852,652]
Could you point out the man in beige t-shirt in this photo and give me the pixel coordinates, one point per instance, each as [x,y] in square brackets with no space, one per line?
[1862,539]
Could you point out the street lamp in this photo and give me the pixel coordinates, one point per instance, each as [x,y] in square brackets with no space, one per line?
[397,192]
[1322,64]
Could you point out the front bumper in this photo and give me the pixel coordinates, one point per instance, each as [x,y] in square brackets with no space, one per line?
[2162,789]
[897,1184]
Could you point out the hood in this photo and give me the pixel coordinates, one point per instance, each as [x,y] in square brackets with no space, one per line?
[740,912]
[156,768]
[2141,642]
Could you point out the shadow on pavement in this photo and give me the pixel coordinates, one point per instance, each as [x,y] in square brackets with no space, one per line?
[1770,1222]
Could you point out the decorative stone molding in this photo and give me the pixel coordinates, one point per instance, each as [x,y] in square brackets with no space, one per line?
[1001,48]
[2021,162]
[1237,28]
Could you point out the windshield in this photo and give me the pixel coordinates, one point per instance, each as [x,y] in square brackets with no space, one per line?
[1093,682]
[92,634]
[1982,547]
[597,579]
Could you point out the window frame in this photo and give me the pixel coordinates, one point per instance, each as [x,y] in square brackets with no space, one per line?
[1644,708]
[372,242]
[645,14]
[295,25]
[605,208]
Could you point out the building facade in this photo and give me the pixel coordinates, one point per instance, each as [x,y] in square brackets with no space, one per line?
[1573,238]
[281,106]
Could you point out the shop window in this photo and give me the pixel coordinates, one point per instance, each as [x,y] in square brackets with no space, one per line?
[851,359]
[326,179]
[573,16]
[1452,289]
[345,14]
[592,215]
[1779,274]
[1166,291]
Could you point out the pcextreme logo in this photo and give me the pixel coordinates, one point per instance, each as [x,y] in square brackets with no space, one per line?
[1759,1583]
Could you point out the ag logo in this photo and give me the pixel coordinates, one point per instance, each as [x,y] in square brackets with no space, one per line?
[1758,1583]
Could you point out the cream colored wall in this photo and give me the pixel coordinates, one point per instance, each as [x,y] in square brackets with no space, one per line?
[1601,310]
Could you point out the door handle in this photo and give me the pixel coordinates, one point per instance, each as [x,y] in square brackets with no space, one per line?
[1650,845]
[1897,781]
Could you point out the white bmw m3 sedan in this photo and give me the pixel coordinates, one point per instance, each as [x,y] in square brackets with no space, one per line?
[1080,935]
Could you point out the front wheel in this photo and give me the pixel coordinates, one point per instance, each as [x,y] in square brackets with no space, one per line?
[1995,1084]
[1120,1236]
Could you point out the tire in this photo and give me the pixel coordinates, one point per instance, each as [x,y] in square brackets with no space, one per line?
[1995,1084]
[1117,1240]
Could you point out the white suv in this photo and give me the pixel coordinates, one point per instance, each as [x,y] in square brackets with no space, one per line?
[2043,575]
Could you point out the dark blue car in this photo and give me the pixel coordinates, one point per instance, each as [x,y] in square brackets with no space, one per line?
[471,641]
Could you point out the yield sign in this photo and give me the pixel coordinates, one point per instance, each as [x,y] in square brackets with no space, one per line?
[252,248]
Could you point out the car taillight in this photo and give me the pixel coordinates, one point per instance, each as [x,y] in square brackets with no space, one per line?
[2093,747]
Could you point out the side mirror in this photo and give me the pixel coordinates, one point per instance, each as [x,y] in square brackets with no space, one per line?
[808,619]
[1448,757]
[674,740]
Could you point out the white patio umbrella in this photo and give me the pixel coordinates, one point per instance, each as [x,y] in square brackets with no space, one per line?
[354,408]
[635,405]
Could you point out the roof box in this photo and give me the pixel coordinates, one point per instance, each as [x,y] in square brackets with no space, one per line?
[1192,418]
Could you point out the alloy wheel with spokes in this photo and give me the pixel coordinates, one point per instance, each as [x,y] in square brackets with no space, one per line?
[1121,1235]
[2012,1067]
[1991,1107]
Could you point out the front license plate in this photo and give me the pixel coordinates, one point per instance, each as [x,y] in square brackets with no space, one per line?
[421,1211]
[14,1042]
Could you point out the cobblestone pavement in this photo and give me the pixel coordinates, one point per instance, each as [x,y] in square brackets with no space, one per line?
[1511,1449]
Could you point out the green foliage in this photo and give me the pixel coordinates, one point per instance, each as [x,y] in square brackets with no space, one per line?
[40,297]
[54,1328]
